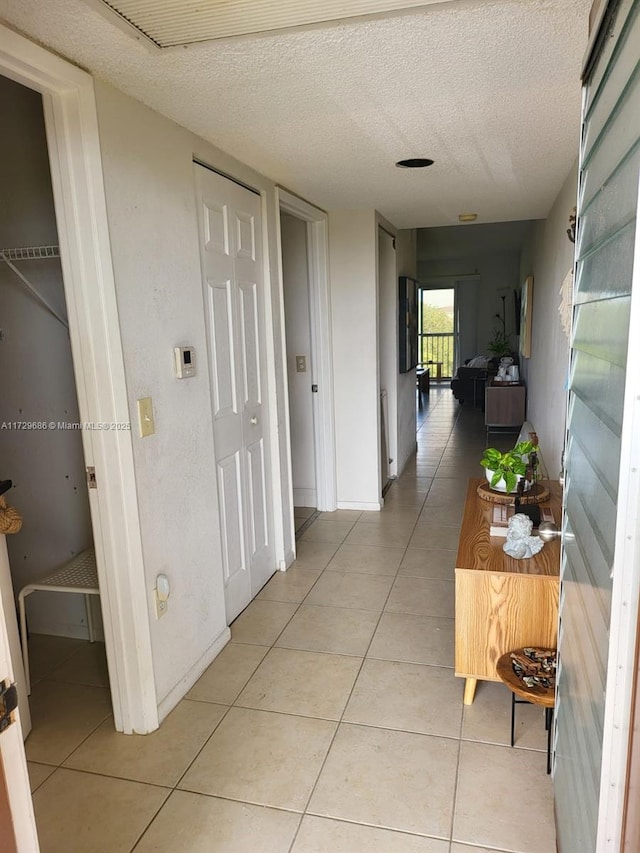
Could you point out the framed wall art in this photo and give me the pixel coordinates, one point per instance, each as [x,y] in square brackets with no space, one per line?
[408,323]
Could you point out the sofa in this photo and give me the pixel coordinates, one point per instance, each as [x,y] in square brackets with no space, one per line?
[468,384]
[469,381]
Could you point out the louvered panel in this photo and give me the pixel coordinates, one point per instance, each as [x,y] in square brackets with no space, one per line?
[174,22]
[603,68]
[574,803]
[620,132]
[607,202]
[602,274]
[612,207]
[580,598]
[587,486]
[602,329]
[621,82]
[600,385]
[621,136]
[598,434]
[587,563]
[583,698]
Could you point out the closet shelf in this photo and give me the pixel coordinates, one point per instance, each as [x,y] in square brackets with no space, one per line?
[30,253]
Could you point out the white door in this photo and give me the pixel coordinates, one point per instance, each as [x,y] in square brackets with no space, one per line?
[229,218]
[17,823]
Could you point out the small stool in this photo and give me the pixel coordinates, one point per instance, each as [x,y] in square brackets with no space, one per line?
[78,575]
[537,694]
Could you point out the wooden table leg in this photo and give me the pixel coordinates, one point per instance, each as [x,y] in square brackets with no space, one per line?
[470,685]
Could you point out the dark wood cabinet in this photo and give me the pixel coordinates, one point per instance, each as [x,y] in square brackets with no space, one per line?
[504,405]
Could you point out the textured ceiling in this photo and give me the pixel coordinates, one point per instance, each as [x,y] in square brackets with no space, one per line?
[489,90]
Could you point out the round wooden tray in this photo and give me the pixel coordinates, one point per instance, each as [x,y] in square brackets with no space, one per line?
[536,495]
[537,694]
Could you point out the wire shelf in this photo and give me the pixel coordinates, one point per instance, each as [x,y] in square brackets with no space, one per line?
[30,253]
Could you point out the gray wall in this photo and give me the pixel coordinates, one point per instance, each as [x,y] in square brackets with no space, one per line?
[37,385]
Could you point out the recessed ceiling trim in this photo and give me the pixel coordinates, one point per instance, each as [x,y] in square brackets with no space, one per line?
[168,23]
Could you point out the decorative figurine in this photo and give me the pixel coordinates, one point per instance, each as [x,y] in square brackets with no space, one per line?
[520,543]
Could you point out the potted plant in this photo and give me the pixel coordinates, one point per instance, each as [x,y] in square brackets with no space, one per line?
[504,470]
[500,344]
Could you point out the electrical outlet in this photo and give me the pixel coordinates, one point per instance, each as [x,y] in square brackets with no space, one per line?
[301,364]
[162,605]
[163,588]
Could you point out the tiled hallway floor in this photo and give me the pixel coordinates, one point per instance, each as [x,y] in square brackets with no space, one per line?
[332,722]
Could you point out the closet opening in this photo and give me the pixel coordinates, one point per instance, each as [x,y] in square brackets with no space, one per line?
[42,454]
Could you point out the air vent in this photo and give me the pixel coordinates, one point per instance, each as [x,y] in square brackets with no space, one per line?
[168,23]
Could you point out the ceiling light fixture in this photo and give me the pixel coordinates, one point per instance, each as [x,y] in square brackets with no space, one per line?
[414,163]
[467,217]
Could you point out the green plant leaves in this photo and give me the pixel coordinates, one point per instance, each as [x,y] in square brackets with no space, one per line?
[510,480]
[509,465]
[496,479]
[491,458]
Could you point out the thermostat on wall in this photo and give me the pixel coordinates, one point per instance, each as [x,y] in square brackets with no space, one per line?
[185,362]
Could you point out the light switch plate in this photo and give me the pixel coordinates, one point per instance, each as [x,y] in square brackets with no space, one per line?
[145,417]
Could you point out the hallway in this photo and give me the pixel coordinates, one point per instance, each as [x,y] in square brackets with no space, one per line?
[332,721]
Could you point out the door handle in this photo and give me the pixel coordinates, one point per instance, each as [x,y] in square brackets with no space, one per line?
[254,421]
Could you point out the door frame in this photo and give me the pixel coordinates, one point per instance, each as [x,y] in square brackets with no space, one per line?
[321,358]
[76,172]
[18,804]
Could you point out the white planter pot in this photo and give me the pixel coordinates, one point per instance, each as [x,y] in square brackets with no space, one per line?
[501,486]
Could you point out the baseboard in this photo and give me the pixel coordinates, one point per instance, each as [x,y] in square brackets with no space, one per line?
[369,507]
[305,497]
[289,558]
[187,681]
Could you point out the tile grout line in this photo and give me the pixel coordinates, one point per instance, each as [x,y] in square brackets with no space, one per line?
[364,658]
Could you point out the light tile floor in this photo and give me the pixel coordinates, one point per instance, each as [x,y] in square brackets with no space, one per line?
[331,722]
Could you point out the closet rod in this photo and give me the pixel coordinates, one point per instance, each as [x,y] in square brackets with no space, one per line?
[30,253]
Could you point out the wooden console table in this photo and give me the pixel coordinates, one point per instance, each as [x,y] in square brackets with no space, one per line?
[501,603]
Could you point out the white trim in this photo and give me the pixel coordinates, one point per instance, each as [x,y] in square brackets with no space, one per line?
[625,597]
[305,497]
[189,679]
[321,358]
[76,173]
[289,558]
[12,755]
[364,505]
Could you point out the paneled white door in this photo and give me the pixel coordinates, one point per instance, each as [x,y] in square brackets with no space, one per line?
[229,218]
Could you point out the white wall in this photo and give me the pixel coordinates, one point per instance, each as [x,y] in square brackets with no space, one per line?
[406,384]
[548,257]
[37,382]
[353,271]
[149,184]
[295,277]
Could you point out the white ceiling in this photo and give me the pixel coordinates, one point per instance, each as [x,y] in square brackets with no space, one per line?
[487,88]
